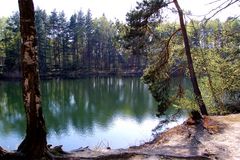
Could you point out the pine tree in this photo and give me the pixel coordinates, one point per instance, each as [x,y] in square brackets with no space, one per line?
[34,146]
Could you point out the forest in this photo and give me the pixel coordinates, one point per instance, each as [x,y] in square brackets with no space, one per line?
[35,46]
[82,46]
[71,48]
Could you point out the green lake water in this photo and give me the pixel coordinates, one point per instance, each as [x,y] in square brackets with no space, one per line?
[94,112]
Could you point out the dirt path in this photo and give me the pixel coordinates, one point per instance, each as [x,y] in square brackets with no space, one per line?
[217,137]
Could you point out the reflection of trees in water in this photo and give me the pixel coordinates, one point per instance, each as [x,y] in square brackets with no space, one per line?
[81,103]
[87,102]
[12,115]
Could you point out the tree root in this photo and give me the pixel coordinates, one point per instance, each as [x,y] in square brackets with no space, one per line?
[5,155]
[50,154]
[131,154]
[127,155]
[56,153]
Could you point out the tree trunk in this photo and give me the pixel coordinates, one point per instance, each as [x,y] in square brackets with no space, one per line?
[197,92]
[35,144]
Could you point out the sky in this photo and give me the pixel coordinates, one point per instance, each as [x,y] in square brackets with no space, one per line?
[113,8]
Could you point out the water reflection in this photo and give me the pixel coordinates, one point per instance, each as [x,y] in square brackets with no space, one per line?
[82,112]
[84,103]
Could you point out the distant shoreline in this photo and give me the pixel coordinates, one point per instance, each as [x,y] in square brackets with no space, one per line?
[17,77]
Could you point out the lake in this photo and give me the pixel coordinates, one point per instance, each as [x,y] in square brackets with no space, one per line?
[94,112]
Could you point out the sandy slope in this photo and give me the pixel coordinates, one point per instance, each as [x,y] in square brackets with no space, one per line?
[217,137]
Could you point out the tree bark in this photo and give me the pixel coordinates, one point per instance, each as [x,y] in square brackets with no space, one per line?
[197,92]
[35,144]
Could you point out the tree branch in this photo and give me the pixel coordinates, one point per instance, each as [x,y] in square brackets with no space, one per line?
[220,8]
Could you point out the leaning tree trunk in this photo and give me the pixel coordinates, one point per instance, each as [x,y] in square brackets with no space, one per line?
[196,89]
[34,145]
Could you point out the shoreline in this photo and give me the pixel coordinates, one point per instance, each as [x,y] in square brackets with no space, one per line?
[74,76]
[217,137]
[214,138]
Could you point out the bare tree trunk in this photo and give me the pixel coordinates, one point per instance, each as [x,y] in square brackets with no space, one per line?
[35,144]
[196,89]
